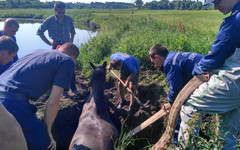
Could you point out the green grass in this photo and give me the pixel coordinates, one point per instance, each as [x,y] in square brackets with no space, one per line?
[135,31]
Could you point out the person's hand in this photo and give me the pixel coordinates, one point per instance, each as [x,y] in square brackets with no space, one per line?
[126,84]
[206,75]
[203,77]
[166,107]
[109,67]
[52,145]
[54,43]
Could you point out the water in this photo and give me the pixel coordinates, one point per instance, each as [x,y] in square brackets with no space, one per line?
[28,40]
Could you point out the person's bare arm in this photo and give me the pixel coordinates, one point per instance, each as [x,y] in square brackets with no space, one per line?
[43,37]
[11,135]
[130,78]
[51,110]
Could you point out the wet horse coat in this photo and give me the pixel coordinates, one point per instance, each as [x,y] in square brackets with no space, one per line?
[96,130]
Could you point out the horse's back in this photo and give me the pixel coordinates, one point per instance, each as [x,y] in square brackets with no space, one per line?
[94,133]
[96,130]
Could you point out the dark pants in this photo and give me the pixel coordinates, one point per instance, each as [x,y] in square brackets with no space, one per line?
[125,75]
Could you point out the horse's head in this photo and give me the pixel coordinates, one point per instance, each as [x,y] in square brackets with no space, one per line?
[98,74]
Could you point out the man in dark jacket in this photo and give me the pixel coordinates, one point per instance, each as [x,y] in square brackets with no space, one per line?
[29,78]
[177,67]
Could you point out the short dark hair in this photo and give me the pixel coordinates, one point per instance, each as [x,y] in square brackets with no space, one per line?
[115,63]
[7,43]
[70,49]
[9,22]
[158,49]
[59,4]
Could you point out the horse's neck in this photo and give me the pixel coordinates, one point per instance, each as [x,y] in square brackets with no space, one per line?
[99,99]
[97,91]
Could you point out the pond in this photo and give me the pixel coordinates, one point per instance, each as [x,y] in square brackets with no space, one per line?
[28,40]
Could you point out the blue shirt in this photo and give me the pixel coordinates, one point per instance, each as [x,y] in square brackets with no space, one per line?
[5,67]
[178,68]
[129,63]
[59,32]
[37,72]
[227,40]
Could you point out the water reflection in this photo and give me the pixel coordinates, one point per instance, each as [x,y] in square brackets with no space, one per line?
[28,41]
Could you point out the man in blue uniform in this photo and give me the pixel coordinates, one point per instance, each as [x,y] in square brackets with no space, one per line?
[29,78]
[11,135]
[177,67]
[10,28]
[129,73]
[221,93]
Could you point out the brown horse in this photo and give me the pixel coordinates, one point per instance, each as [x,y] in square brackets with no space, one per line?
[96,130]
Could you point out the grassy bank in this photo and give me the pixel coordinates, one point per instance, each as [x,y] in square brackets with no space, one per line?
[135,31]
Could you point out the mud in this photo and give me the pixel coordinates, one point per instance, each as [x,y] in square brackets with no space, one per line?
[148,93]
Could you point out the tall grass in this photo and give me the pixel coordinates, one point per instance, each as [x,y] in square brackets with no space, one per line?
[136,31]
[210,129]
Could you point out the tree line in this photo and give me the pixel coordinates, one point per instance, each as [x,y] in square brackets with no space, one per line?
[158,5]
[175,4]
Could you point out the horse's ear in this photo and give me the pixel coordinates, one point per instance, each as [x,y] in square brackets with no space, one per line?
[104,64]
[92,65]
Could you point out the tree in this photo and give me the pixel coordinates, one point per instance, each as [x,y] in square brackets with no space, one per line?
[10,4]
[139,4]
[164,4]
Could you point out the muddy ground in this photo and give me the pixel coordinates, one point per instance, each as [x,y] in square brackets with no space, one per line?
[148,93]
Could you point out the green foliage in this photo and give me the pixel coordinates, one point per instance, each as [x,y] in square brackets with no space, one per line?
[162,4]
[177,4]
[26,13]
[95,52]
[38,4]
[139,4]
[210,129]
[135,33]
[123,141]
